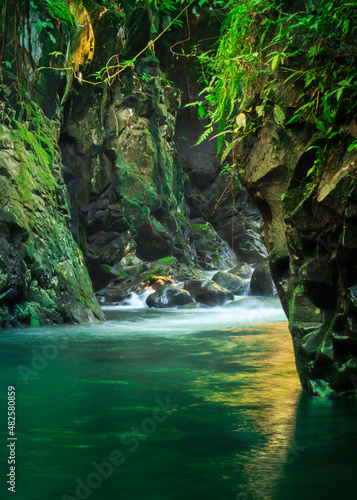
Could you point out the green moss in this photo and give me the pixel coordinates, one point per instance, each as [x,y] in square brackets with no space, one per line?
[28,312]
[166,259]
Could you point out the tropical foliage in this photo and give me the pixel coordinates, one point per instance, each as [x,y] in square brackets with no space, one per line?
[274,64]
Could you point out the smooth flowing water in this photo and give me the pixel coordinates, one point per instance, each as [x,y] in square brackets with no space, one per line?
[171,405]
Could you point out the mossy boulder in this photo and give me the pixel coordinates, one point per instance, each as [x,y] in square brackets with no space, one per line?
[210,247]
[242,270]
[235,284]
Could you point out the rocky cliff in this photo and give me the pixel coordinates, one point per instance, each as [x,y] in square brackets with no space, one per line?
[309,229]
[95,197]
[300,166]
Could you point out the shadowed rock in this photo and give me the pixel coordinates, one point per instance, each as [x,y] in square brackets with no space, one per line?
[169,296]
[261,282]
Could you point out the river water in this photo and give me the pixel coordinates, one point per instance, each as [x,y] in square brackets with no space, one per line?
[171,405]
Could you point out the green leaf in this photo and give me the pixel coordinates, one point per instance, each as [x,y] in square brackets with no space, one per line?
[326,115]
[311,170]
[352,146]
[228,150]
[39,26]
[56,54]
[201,111]
[279,115]
[274,62]
[319,125]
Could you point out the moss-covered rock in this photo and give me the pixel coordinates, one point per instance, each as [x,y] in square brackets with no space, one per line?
[41,265]
[235,284]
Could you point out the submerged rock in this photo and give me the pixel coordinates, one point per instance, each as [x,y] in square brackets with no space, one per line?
[208,292]
[235,284]
[169,296]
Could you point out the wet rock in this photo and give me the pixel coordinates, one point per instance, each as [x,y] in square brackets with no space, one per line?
[208,292]
[210,247]
[169,296]
[42,272]
[153,243]
[157,282]
[113,293]
[235,284]
[261,282]
[13,276]
[191,305]
[243,271]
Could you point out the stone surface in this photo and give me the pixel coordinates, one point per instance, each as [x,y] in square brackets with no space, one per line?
[310,234]
[261,282]
[235,284]
[42,274]
[210,248]
[208,292]
[169,296]
[242,270]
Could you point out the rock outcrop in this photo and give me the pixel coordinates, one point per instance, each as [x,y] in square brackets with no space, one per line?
[261,282]
[309,229]
[43,278]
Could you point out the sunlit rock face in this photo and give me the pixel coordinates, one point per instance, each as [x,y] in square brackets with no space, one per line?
[310,232]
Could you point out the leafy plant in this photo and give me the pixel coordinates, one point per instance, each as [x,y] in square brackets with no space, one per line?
[268,61]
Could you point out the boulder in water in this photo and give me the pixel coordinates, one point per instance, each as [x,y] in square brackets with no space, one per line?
[243,271]
[261,282]
[208,292]
[169,296]
[235,284]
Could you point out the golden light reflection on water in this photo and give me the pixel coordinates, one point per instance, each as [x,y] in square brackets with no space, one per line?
[265,387]
[280,389]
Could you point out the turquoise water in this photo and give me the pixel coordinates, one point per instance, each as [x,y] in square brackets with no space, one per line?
[171,405]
